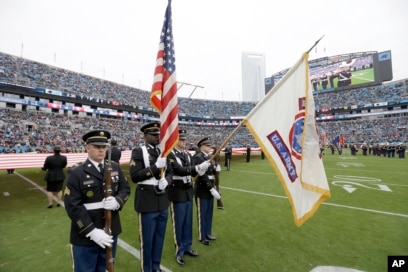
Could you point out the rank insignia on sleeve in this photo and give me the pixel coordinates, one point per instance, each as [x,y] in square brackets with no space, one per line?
[67,191]
[80,224]
[132,163]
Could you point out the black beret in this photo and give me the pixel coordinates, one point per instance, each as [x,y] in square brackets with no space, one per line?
[182,134]
[205,141]
[97,137]
[151,128]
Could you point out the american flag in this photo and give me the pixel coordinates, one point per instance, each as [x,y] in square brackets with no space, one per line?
[164,91]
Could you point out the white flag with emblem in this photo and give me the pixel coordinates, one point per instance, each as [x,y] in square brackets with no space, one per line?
[284,126]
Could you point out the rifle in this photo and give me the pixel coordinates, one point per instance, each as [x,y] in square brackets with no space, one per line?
[108,213]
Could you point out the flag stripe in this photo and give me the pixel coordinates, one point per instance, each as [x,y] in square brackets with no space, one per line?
[163,96]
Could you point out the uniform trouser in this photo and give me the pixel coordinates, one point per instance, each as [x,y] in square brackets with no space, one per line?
[152,228]
[182,217]
[205,208]
[91,258]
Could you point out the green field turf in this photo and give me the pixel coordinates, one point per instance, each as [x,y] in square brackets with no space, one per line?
[364,221]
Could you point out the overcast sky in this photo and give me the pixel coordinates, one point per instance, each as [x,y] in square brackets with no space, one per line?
[118,40]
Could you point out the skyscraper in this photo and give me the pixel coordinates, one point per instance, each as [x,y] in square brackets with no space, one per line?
[253,76]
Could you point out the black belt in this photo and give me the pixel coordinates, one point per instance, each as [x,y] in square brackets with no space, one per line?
[179,183]
[156,189]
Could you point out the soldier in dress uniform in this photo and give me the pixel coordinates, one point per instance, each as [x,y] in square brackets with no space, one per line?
[151,197]
[181,197]
[55,176]
[85,203]
[228,156]
[116,153]
[205,192]
[364,147]
[401,151]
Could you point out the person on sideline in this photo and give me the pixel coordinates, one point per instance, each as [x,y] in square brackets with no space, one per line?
[116,153]
[228,156]
[149,171]
[248,152]
[85,203]
[205,192]
[181,197]
[55,176]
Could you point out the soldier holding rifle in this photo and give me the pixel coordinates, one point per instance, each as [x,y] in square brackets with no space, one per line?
[85,203]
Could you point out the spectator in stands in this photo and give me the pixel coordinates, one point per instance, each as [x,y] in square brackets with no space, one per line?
[54,165]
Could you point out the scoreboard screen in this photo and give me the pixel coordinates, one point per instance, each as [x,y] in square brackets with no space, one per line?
[343,72]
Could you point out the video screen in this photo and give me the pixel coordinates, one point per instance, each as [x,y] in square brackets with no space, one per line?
[340,72]
[344,74]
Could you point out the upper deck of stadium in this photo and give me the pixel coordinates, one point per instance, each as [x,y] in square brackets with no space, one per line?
[44,92]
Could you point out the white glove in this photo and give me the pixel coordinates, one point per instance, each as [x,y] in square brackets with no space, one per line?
[110,203]
[161,162]
[203,166]
[215,194]
[201,172]
[163,184]
[100,237]
[218,168]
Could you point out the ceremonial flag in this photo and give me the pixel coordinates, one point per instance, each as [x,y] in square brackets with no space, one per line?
[164,90]
[284,126]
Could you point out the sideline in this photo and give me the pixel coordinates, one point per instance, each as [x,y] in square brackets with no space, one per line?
[127,247]
[324,203]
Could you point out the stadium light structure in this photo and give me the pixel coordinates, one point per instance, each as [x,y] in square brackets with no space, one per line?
[188,84]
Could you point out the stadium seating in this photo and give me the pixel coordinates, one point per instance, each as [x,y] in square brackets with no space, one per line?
[39,130]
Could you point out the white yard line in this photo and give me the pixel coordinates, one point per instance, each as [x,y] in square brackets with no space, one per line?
[324,203]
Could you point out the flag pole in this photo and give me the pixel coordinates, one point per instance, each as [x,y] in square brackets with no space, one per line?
[220,148]
[225,142]
[311,48]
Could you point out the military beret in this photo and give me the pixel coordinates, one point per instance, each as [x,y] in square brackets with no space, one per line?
[205,141]
[151,128]
[97,137]
[182,134]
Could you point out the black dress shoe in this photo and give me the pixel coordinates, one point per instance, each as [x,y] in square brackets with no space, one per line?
[58,205]
[180,260]
[49,207]
[192,253]
[205,242]
[211,238]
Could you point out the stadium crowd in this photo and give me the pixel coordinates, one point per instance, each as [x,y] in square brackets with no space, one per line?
[31,130]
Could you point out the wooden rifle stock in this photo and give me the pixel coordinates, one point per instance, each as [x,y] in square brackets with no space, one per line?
[108,213]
